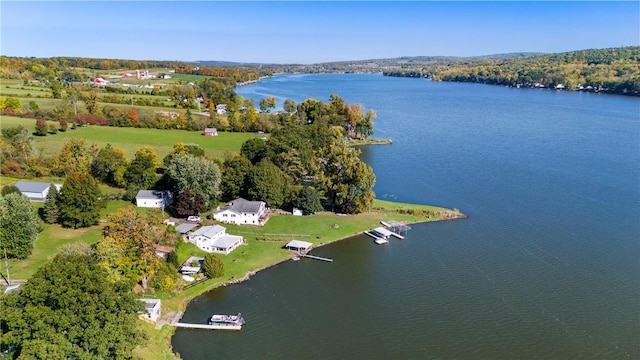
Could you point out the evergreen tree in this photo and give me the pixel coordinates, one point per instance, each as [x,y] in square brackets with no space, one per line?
[18,226]
[213,265]
[79,201]
[308,200]
[51,210]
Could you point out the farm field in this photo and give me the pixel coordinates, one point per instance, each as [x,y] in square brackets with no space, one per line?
[132,139]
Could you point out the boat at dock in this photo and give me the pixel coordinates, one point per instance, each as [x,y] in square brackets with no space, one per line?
[224,321]
[380,235]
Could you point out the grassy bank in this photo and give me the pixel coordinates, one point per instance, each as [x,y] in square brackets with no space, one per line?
[264,249]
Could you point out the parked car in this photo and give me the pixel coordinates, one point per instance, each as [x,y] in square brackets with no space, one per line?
[195,219]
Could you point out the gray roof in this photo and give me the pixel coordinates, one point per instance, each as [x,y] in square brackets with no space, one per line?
[30,186]
[210,130]
[227,241]
[185,227]
[241,205]
[150,194]
[209,231]
[299,244]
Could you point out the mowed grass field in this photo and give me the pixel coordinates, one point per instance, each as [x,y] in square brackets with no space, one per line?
[132,139]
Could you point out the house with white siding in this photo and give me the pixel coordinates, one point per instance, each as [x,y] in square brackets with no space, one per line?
[214,238]
[153,198]
[241,211]
[35,191]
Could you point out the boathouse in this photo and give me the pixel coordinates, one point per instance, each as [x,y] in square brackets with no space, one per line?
[298,246]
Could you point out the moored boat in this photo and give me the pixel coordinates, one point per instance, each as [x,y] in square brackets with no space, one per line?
[227,321]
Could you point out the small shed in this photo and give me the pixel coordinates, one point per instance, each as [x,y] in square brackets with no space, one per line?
[152,309]
[210,132]
[297,212]
[299,246]
[162,251]
[191,266]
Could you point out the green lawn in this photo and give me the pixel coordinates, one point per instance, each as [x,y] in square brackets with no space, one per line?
[132,139]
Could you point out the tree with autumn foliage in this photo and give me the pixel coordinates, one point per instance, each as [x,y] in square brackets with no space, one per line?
[130,238]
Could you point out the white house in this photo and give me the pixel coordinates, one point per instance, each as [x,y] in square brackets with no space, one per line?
[221,109]
[241,211]
[35,191]
[152,309]
[214,238]
[153,198]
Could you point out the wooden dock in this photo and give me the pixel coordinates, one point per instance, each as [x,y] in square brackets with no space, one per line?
[207,326]
[316,257]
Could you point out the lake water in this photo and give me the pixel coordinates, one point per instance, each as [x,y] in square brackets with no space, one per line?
[547,266]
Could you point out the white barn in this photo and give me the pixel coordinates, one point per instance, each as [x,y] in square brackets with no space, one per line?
[241,211]
[214,238]
[35,191]
[153,198]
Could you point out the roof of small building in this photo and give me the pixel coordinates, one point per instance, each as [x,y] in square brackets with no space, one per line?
[227,241]
[241,205]
[150,194]
[209,231]
[164,249]
[298,244]
[31,186]
[185,227]
[210,130]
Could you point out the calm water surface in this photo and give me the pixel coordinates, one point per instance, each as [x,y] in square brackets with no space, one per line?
[546,266]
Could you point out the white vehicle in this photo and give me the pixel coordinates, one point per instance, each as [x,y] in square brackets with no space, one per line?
[195,219]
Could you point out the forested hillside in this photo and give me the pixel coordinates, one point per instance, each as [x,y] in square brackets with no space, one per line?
[613,70]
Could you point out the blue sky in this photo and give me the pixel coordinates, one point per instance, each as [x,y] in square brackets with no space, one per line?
[309,32]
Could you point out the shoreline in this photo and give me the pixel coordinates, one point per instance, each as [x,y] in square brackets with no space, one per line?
[446,215]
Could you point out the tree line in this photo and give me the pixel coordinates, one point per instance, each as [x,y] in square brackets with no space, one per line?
[613,70]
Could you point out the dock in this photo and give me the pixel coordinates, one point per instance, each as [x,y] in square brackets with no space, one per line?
[316,257]
[397,228]
[207,326]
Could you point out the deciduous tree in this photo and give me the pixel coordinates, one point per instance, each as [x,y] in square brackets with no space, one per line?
[141,172]
[18,225]
[234,177]
[266,182]
[200,176]
[79,201]
[69,309]
[136,235]
[110,165]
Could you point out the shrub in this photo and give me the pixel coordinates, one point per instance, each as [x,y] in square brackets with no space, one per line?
[13,168]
